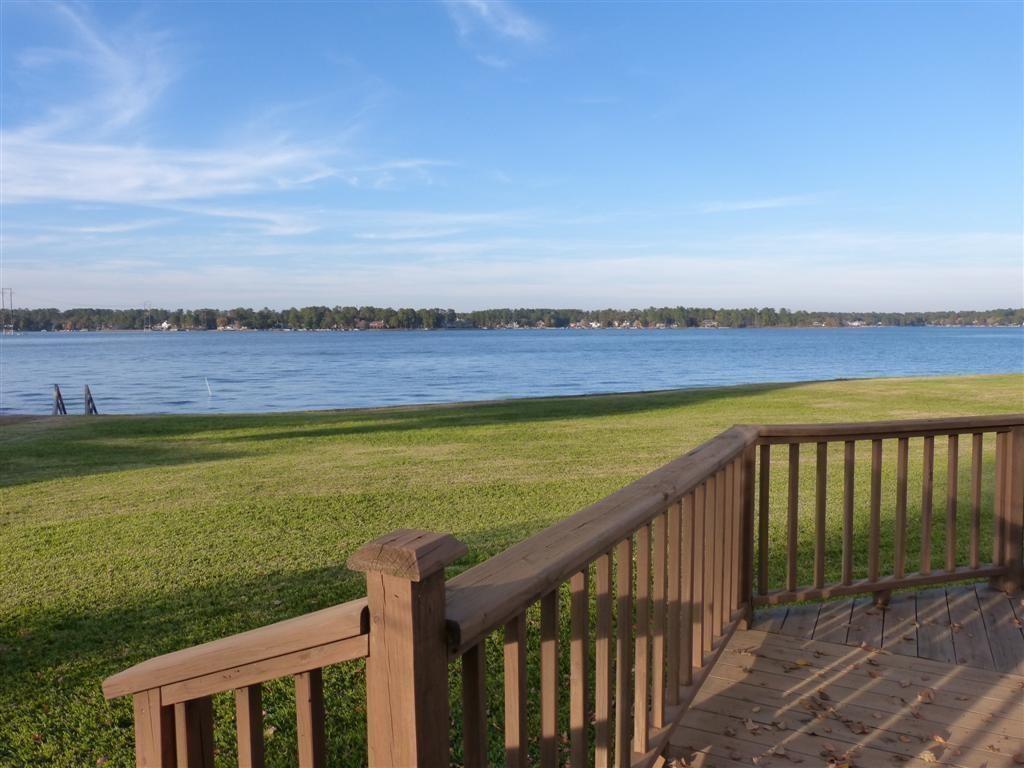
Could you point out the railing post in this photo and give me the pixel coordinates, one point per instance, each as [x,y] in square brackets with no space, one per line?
[154,731]
[747,548]
[1012,513]
[407,669]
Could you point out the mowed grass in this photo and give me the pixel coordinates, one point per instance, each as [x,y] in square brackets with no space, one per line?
[122,538]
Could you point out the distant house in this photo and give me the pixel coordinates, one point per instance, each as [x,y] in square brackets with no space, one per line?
[378,325]
[709,324]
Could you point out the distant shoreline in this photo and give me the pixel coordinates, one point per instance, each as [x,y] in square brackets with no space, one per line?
[162,331]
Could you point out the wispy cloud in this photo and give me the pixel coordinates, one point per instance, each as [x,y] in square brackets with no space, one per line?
[495,16]
[787,201]
[93,149]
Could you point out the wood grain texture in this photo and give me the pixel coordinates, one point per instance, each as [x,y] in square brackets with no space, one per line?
[849,459]
[699,547]
[642,648]
[193,728]
[154,731]
[624,622]
[407,554]
[952,471]
[900,531]
[314,629]
[792,515]
[762,520]
[516,739]
[874,521]
[474,707]
[977,446]
[820,501]
[579,587]
[927,482]
[658,662]
[310,728]
[603,663]
[549,679]
[249,726]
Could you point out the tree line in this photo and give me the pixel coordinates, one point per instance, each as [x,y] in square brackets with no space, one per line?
[349,318]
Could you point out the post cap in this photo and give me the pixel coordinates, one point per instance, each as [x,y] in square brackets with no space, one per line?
[408,554]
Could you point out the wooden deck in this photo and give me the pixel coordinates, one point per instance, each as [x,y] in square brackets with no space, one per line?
[971,625]
[777,700]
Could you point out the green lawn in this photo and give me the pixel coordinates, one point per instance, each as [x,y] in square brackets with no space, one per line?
[126,537]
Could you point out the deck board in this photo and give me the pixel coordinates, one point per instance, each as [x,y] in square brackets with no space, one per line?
[974,625]
[865,623]
[970,640]
[1003,629]
[800,620]
[774,699]
[899,632]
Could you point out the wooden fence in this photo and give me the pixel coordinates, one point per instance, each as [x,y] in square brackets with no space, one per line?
[659,575]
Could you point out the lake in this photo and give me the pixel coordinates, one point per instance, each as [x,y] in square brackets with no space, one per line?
[215,372]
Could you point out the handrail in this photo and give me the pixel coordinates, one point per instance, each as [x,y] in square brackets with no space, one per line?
[788,433]
[291,636]
[486,596]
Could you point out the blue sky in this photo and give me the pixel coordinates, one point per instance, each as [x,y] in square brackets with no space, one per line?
[471,154]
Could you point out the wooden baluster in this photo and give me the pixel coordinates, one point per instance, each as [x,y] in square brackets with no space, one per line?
[738,535]
[849,459]
[603,661]
[820,496]
[711,535]
[727,541]
[193,726]
[720,534]
[516,744]
[762,522]
[874,524]
[927,479]
[549,679]
[686,593]
[623,652]
[642,658]
[578,642]
[154,731]
[793,511]
[672,618]
[1013,581]
[309,719]
[952,469]
[900,538]
[249,726]
[658,645]
[474,707]
[976,463]
[747,583]
[407,667]
[699,544]
[1002,438]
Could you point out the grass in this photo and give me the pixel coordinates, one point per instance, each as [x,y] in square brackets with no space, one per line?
[122,538]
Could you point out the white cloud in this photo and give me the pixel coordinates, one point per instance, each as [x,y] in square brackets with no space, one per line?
[495,16]
[765,203]
[92,150]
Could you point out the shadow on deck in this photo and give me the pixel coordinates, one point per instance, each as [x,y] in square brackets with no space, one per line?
[936,678]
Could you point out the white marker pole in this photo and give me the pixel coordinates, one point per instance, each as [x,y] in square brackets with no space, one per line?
[208,386]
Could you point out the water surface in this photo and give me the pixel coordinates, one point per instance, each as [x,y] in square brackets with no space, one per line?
[275,371]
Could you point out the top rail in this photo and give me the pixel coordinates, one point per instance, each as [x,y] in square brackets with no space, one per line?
[810,433]
[488,595]
[291,636]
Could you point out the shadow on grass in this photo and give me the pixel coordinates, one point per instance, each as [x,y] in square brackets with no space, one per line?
[45,448]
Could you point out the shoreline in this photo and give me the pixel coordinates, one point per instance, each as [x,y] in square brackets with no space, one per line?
[160,331]
[753,387]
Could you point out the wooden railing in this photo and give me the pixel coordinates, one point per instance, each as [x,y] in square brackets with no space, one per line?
[642,590]
[902,443]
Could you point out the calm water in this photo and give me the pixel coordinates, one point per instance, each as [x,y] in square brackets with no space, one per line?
[168,372]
